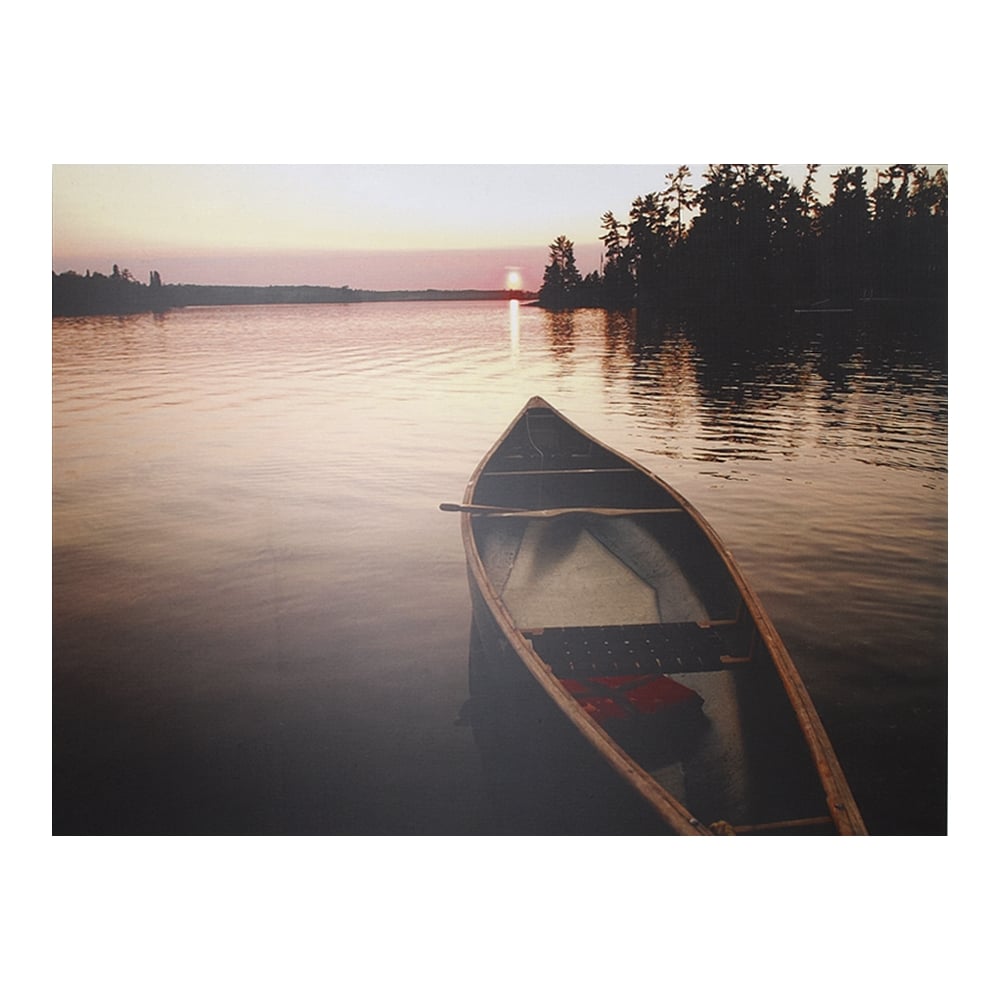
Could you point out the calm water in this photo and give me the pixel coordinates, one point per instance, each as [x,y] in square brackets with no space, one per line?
[261,619]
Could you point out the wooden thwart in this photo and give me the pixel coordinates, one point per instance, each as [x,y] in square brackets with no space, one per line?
[787,824]
[617,470]
[489,511]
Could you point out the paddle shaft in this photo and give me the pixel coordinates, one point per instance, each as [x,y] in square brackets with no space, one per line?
[486,509]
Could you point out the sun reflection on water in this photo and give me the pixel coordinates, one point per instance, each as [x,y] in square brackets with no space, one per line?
[515,328]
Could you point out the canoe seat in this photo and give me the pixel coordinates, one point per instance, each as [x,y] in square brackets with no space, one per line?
[611,650]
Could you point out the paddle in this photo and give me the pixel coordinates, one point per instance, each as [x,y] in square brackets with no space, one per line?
[485,509]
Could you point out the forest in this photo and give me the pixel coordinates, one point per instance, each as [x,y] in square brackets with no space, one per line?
[748,238]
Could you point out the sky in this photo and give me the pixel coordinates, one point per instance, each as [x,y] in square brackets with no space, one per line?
[366,226]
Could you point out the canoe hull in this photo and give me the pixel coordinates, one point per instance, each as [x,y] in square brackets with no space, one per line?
[643,634]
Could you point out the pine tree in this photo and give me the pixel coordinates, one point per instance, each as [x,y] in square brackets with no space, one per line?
[562,277]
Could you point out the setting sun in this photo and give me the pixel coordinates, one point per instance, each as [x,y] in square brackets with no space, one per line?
[513,279]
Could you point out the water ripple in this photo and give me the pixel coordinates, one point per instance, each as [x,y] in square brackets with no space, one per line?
[246,534]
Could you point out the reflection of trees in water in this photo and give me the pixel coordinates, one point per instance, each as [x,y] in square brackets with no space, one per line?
[105,337]
[884,390]
[561,330]
[877,384]
[619,328]
[619,343]
[769,385]
[709,379]
[667,376]
[658,371]
[766,385]
[744,393]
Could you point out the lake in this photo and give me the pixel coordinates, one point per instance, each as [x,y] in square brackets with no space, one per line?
[261,617]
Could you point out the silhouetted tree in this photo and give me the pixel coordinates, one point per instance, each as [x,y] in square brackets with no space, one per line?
[713,239]
[927,261]
[617,285]
[844,230]
[588,292]
[562,277]
[908,256]
[648,248]
[801,246]
[680,197]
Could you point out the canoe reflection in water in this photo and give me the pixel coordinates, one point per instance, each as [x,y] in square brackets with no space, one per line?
[604,607]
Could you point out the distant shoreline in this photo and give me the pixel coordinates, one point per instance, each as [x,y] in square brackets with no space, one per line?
[277,294]
[96,294]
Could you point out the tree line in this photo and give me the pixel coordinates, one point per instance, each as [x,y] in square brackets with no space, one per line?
[750,238]
[117,293]
[96,294]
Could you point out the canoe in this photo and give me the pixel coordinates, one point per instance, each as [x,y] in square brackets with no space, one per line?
[608,592]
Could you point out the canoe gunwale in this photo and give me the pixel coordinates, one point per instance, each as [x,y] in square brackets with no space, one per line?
[842,808]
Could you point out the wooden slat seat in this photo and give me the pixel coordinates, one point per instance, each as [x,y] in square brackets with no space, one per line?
[613,650]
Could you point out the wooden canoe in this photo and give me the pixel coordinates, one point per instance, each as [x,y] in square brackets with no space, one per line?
[620,601]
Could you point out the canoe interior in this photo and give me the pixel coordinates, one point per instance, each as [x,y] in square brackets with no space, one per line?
[611,603]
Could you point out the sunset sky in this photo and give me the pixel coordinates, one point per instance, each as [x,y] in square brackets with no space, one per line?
[373,227]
